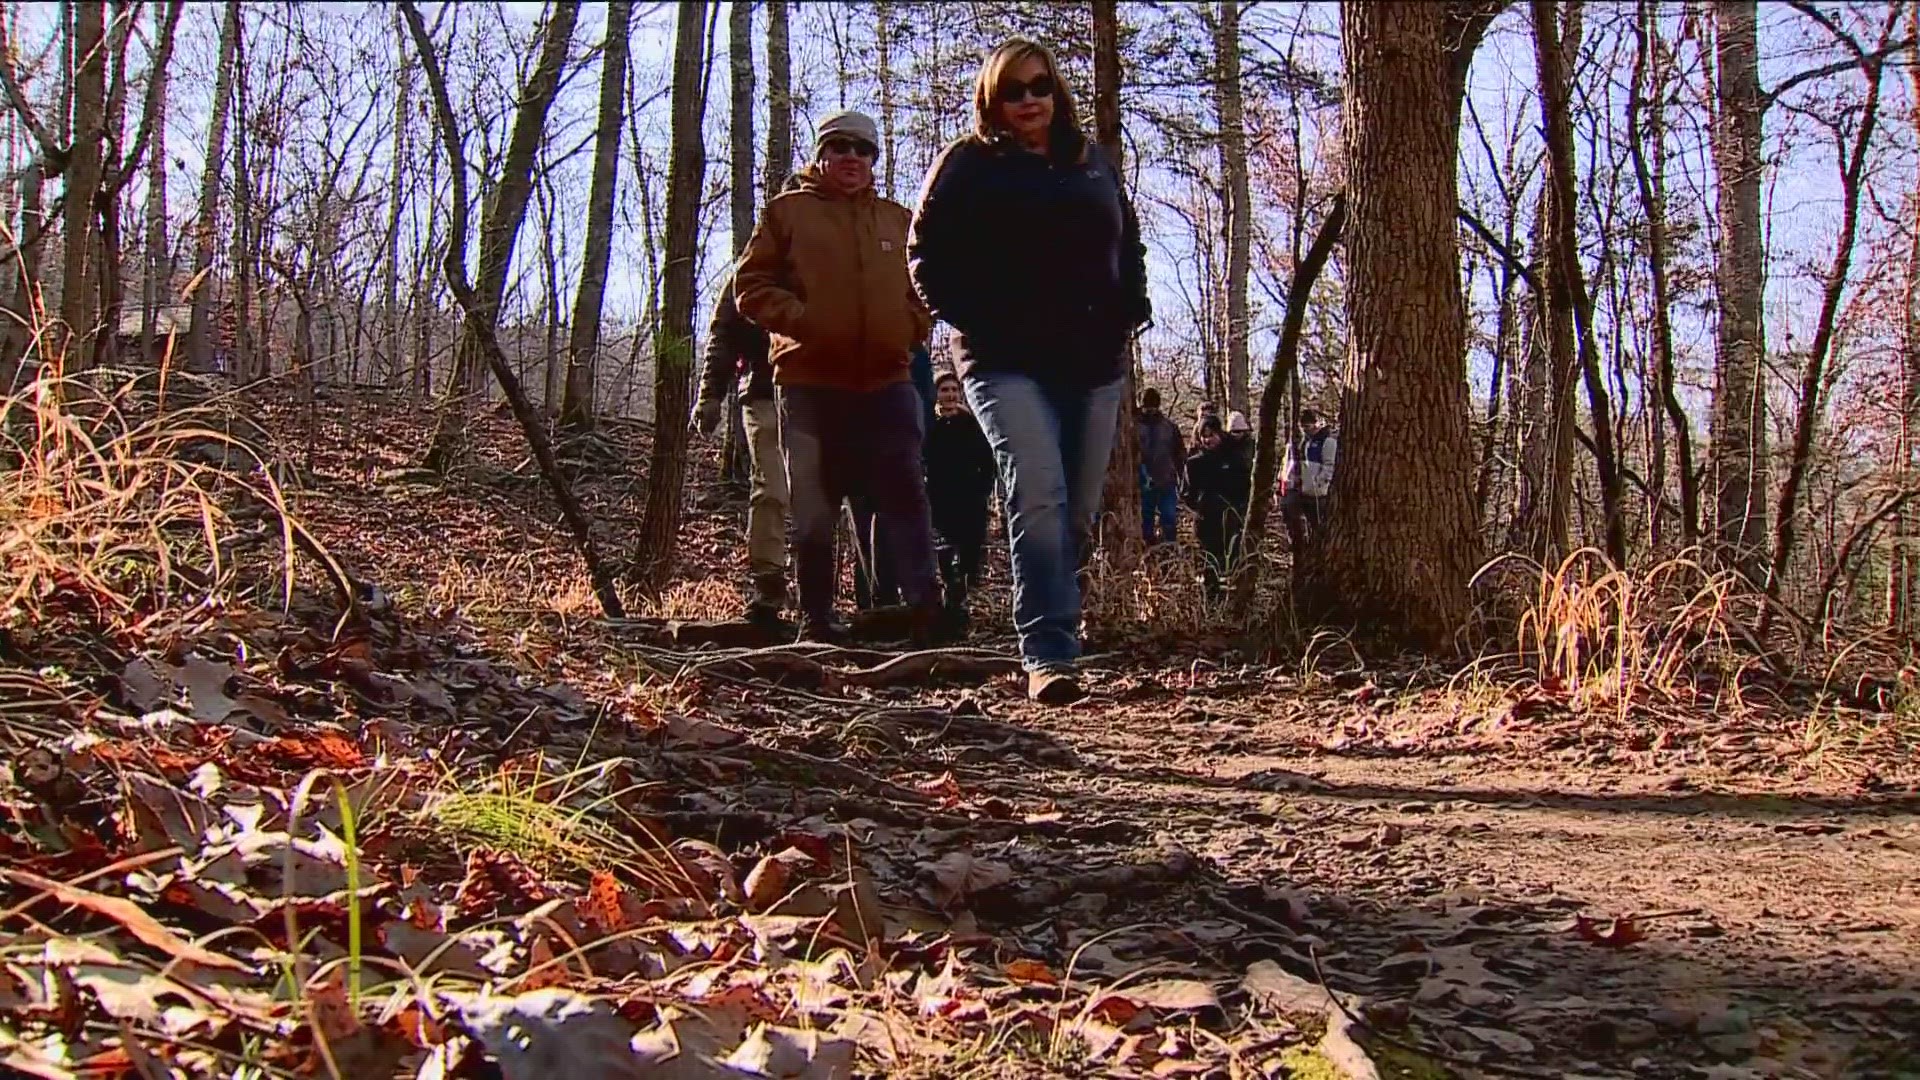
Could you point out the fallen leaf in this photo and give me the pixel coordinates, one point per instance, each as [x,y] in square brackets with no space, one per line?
[600,909]
[766,883]
[1030,971]
[549,1034]
[687,731]
[788,1052]
[1618,935]
[1282,991]
[1172,995]
[1508,1042]
[959,874]
[128,914]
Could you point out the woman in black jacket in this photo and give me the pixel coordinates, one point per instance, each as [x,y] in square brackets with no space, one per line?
[1026,245]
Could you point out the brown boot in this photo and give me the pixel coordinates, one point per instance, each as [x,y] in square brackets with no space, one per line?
[769,599]
[1054,686]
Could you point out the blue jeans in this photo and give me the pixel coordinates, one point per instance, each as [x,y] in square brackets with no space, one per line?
[1163,503]
[1052,446]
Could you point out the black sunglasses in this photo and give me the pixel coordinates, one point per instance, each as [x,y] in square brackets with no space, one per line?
[851,146]
[1013,91]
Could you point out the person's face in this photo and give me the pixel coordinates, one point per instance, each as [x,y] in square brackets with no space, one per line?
[948,398]
[1025,97]
[1209,439]
[1314,425]
[848,163]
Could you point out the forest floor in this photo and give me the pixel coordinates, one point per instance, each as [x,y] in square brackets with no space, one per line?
[796,866]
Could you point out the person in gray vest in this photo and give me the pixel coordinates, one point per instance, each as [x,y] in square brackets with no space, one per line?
[1306,479]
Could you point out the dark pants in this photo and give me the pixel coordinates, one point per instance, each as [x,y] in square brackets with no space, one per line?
[843,444]
[1162,503]
[1219,535]
[961,525]
[1306,518]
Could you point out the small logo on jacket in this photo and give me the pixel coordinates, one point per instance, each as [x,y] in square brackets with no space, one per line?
[886,245]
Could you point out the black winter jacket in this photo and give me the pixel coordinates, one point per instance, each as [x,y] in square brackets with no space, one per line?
[1038,265]
[960,465]
[735,347]
[1218,485]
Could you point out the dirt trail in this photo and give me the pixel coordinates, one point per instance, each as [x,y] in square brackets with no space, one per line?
[1456,861]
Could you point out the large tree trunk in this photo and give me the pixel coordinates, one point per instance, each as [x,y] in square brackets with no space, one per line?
[109,248]
[779,101]
[1813,377]
[1403,540]
[1569,303]
[79,310]
[1120,500]
[673,339]
[201,333]
[1650,177]
[583,345]
[1239,201]
[500,228]
[1740,457]
[883,66]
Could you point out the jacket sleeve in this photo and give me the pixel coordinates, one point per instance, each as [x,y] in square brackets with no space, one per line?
[760,284]
[720,365]
[943,254]
[1329,450]
[986,468]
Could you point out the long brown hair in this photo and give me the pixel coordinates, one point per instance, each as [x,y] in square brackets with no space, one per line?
[1066,142]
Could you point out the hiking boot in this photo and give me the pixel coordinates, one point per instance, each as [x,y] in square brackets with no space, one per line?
[1054,686]
[930,626]
[769,599]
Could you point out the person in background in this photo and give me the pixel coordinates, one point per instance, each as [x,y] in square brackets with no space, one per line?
[1163,458]
[1217,489]
[826,275]
[1026,245]
[1306,479]
[1239,437]
[1203,412]
[960,476]
[736,354]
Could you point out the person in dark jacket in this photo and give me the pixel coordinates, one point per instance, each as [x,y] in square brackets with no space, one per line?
[1217,488]
[1163,460]
[736,354]
[874,583]
[1025,243]
[960,476]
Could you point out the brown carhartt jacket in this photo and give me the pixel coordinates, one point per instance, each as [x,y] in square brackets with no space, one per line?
[827,276]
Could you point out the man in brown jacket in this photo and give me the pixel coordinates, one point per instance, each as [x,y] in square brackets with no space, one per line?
[826,275]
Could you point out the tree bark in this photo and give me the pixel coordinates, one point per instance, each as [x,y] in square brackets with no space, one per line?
[779,101]
[200,334]
[1402,540]
[735,465]
[480,320]
[673,340]
[1739,448]
[883,66]
[79,311]
[396,203]
[1904,563]
[1239,202]
[1120,499]
[500,228]
[583,345]
[1570,303]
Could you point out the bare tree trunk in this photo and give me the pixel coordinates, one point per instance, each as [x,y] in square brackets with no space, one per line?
[735,464]
[500,228]
[1120,499]
[1813,377]
[1739,450]
[883,66]
[480,319]
[1571,304]
[583,344]
[673,340]
[157,268]
[200,335]
[78,308]
[779,101]
[109,248]
[396,202]
[1402,541]
[1651,180]
[1239,200]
